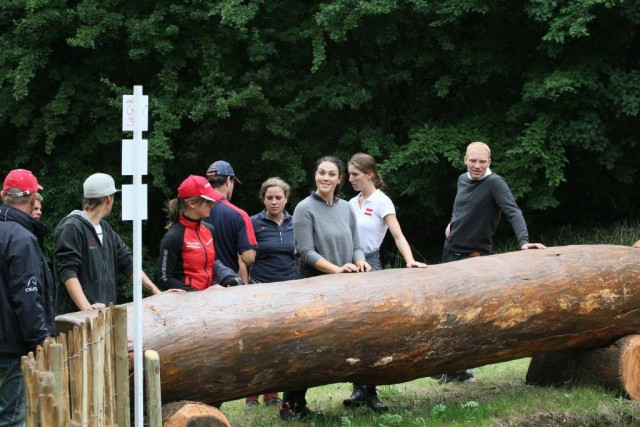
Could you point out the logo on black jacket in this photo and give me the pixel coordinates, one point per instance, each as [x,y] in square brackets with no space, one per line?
[32,285]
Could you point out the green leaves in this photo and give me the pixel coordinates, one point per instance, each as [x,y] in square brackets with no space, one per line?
[561,83]
[270,86]
[624,92]
[566,19]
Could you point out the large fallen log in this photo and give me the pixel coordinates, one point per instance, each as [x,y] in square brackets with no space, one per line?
[389,326]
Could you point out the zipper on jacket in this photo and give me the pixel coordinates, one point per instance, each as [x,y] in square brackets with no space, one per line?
[206,255]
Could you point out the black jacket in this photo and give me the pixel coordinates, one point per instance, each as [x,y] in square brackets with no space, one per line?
[26,284]
[78,253]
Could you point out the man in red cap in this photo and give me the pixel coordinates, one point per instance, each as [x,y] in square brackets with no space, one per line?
[26,289]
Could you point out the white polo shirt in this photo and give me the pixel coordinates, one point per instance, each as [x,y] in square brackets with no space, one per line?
[371,225]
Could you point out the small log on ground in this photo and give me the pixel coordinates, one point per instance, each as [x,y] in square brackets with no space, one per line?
[192,414]
[615,368]
[389,326]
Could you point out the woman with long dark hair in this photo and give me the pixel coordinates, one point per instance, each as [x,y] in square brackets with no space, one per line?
[327,242]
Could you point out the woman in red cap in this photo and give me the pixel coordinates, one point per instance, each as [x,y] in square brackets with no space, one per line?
[187,254]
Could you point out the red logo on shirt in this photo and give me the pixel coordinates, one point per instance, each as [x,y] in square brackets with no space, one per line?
[368,211]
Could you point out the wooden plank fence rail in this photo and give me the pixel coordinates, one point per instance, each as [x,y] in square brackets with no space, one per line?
[81,378]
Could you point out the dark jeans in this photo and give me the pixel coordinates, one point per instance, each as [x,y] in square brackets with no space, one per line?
[295,396]
[11,392]
[373,258]
[448,256]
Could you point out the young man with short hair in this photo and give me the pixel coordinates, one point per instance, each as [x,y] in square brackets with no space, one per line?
[88,253]
[234,236]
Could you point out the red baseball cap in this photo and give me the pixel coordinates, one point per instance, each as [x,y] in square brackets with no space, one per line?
[23,180]
[198,186]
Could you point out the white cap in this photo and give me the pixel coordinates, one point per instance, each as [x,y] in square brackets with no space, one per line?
[99,185]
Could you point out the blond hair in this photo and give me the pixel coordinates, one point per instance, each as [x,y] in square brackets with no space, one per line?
[481,146]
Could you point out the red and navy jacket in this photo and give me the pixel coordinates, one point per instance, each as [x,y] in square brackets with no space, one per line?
[188,257]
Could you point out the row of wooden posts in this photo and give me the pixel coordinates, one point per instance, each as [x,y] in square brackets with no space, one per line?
[82,378]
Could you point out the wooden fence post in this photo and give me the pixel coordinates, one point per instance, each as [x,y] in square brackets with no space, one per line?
[31,389]
[56,363]
[49,411]
[109,375]
[154,398]
[121,347]
[85,378]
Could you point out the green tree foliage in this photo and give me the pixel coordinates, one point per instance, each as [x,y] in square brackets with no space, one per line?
[552,85]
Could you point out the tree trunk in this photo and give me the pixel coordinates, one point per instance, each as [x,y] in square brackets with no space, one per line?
[192,414]
[615,368]
[389,326]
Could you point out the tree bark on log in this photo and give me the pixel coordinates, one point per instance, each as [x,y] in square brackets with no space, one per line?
[615,368]
[389,326]
[192,414]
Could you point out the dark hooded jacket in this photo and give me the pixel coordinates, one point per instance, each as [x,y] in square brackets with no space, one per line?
[78,253]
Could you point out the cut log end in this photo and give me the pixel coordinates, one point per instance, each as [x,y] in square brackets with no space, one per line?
[630,366]
[637,244]
[192,414]
[615,368]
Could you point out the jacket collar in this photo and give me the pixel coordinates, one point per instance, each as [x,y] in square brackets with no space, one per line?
[188,222]
[9,213]
[263,215]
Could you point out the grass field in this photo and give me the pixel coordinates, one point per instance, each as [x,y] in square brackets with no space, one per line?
[500,397]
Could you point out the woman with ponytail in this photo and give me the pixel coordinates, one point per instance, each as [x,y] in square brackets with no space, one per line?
[375,214]
[187,254]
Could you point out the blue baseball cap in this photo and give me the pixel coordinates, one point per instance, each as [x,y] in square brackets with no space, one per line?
[221,168]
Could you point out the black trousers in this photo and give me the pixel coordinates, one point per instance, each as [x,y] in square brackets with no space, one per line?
[448,256]
[295,396]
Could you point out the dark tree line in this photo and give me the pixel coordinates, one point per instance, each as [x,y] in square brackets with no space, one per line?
[552,86]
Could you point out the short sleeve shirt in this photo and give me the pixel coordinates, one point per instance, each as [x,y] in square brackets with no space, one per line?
[370,216]
[232,232]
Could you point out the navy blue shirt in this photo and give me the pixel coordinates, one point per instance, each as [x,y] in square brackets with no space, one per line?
[275,259]
[232,232]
